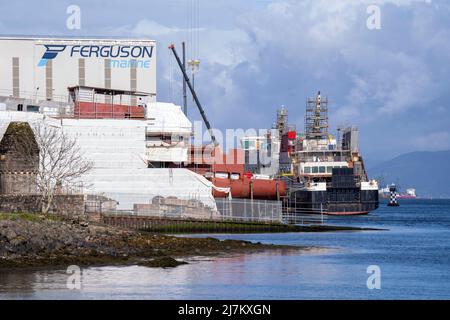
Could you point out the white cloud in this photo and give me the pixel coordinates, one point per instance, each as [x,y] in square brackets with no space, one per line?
[152,28]
[434,141]
[320,38]
[220,52]
[323,38]
[217,46]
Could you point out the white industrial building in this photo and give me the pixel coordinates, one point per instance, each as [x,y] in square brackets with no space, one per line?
[39,71]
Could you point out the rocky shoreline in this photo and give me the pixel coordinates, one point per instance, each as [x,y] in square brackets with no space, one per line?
[30,240]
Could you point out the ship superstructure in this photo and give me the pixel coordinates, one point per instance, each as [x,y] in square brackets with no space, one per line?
[330,176]
[323,173]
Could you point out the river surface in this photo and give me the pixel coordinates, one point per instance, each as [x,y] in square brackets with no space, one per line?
[413,259]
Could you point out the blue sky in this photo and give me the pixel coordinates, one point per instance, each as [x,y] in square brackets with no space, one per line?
[258,55]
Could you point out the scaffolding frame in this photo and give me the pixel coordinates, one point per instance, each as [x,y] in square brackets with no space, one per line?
[316,118]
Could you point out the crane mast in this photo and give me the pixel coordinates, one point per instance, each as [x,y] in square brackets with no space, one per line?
[194,95]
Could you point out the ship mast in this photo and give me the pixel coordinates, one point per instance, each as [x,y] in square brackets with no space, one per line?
[316,118]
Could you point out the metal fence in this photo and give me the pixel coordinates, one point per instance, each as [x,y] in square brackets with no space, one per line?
[304,213]
[249,210]
[303,216]
[239,210]
[57,107]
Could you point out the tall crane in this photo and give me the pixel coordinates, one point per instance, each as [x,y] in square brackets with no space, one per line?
[194,95]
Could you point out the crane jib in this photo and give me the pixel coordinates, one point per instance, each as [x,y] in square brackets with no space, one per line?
[194,95]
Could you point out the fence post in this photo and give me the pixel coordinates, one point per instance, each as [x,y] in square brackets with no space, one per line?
[266,216]
[245,207]
[271,211]
[321,212]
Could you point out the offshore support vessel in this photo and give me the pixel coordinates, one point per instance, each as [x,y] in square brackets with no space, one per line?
[327,174]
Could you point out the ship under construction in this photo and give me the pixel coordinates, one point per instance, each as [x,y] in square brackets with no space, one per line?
[322,173]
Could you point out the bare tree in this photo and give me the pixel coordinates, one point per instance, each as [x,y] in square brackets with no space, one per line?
[61,163]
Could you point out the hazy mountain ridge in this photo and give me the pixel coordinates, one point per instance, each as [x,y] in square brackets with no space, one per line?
[426,171]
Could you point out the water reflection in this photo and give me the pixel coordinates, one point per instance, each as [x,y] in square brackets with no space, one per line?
[414,259]
[229,275]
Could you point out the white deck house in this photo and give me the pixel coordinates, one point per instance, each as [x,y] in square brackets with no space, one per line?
[168,132]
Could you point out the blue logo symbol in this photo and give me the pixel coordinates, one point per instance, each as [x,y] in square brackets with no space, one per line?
[51,52]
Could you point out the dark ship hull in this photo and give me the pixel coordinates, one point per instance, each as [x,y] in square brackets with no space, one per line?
[334,201]
[344,196]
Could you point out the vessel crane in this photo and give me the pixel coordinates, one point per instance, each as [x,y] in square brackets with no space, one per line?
[194,95]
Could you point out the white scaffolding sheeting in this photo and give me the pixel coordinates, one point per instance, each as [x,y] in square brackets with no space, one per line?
[117,149]
[139,186]
[110,143]
[167,154]
[167,118]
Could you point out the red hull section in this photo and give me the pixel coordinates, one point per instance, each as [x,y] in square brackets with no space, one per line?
[228,171]
[243,188]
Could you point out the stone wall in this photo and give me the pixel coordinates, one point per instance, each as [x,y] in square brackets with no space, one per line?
[18,183]
[65,205]
[19,160]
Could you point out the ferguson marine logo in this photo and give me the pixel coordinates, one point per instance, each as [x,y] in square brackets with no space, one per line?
[50,53]
[134,53]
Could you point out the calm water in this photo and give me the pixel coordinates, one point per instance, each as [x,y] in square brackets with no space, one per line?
[414,258]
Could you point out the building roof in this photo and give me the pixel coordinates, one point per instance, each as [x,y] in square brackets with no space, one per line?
[109,91]
[73,38]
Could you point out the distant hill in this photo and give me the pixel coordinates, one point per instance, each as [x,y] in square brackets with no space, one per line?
[427,172]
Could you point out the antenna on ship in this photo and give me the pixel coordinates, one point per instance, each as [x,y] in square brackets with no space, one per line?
[340,130]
